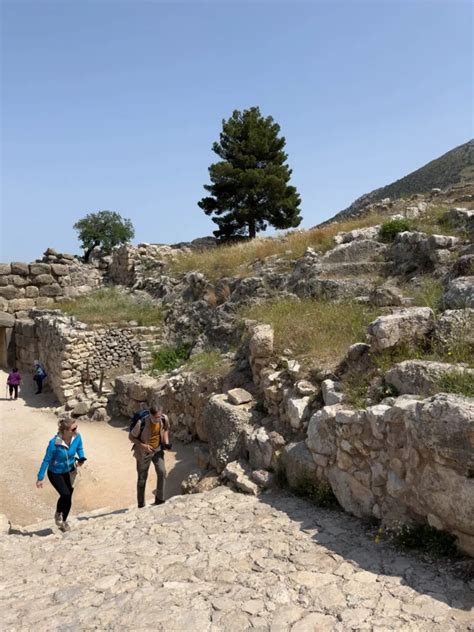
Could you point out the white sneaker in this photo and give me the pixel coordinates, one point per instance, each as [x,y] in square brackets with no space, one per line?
[58,519]
[66,527]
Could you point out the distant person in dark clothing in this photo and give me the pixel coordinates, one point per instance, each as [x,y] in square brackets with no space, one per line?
[13,382]
[39,375]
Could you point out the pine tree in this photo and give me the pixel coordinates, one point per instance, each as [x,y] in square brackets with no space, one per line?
[250,187]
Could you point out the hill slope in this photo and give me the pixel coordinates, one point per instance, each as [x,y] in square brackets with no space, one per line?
[454,167]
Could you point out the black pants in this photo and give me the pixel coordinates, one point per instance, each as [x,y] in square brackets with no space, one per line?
[143,465]
[39,383]
[63,485]
[13,387]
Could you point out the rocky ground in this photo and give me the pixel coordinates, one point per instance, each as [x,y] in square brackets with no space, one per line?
[223,561]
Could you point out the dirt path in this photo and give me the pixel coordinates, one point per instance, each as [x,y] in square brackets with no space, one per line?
[108,479]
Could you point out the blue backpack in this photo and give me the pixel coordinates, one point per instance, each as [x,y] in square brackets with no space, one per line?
[138,417]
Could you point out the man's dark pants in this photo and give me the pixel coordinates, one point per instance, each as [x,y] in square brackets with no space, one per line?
[143,465]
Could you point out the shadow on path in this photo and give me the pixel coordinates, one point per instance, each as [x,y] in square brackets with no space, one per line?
[346,536]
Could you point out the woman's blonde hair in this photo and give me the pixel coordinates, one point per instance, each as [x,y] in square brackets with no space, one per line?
[65,424]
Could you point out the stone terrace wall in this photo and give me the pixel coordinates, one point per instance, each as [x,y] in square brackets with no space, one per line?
[414,459]
[74,354]
[24,286]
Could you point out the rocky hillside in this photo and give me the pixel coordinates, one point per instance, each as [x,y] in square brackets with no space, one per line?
[222,562]
[453,169]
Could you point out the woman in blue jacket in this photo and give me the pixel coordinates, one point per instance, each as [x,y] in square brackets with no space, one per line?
[60,462]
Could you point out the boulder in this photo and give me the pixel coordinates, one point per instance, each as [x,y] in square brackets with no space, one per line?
[406,326]
[225,426]
[460,293]
[386,295]
[351,494]
[371,232]
[444,426]
[297,409]
[322,431]
[455,327]
[5,268]
[331,392]
[261,341]
[298,464]
[260,449]
[421,377]
[19,268]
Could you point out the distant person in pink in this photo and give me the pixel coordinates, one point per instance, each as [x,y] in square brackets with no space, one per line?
[13,382]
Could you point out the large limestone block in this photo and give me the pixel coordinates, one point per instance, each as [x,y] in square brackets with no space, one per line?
[358,250]
[421,377]
[31,291]
[406,326]
[17,280]
[322,431]
[21,304]
[10,292]
[5,268]
[39,268]
[43,279]
[298,464]
[225,426]
[455,327]
[50,290]
[59,269]
[261,341]
[444,425]
[260,449]
[351,494]
[20,268]
[447,495]
[297,409]
[460,293]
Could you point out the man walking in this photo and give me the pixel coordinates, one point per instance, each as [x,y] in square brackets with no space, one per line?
[150,437]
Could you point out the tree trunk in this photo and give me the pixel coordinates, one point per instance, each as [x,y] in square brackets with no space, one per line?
[87,253]
[252,231]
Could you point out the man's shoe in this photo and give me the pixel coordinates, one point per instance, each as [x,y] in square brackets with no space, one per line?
[65,527]
[158,501]
[58,519]
[140,506]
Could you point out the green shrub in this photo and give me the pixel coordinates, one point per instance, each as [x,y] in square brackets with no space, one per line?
[170,358]
[209,362]
[389,230]
[426,539]
[459,382]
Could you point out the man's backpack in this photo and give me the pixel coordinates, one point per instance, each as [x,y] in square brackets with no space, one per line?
[139,417]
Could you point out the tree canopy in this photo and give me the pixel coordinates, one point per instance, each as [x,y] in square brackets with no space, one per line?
[249,186]
[104,228]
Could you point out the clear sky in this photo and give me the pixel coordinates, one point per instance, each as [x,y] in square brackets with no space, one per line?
[114,105]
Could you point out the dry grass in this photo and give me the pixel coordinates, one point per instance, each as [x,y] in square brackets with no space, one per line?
[236,259]
[316,332]
[109,306]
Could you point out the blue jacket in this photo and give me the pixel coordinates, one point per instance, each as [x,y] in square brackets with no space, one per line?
[59,457]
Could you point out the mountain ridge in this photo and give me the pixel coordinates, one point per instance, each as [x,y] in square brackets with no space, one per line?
[455,167]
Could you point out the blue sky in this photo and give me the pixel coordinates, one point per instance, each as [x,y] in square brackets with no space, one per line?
[115,104]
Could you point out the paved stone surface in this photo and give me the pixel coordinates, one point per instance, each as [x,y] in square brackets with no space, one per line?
[223,561]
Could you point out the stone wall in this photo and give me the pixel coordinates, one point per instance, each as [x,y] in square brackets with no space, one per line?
[24,286]
[183,397]
[76,355]
[411,460]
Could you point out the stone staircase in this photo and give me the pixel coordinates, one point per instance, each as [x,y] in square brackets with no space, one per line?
[219,562]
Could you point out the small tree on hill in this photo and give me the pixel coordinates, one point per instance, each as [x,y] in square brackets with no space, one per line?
[250,187]
[106,229]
